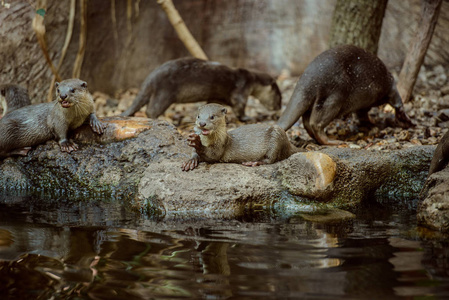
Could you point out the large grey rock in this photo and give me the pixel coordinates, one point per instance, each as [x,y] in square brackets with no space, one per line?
[106,170]
[433,211]
[145,172]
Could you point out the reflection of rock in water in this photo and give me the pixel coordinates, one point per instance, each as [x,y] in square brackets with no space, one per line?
[47,241]
[436,261]
[282,258]
[407,260]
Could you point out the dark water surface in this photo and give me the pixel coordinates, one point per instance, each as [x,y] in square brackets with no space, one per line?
[77,251]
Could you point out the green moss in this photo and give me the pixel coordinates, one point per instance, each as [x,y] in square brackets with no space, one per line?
[152,207]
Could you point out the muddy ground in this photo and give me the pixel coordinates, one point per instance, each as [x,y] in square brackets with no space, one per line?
[429,110]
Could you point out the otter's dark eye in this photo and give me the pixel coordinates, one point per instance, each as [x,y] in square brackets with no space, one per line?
[197,117]
[3,92]
[57,91]
[72,90]
[212,117]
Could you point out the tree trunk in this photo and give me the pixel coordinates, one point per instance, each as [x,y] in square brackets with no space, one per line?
[181,29]
[417,51]
[357,22]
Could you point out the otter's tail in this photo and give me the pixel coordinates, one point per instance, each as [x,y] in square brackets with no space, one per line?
[142,98]
[299,103]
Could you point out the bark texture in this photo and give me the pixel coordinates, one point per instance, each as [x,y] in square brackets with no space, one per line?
[418,48]
[357,22]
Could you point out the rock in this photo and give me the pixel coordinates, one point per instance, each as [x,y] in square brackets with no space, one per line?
[433,211]
[225,190]
[308,174]
[443,102]
[403,135]
[443,115]
[145,172]
[110,170]
[445,89]
[327,216]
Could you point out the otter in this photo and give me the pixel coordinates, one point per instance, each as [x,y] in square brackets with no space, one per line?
[250,145]
[187,80]
[340,81]
[12,97]
[440,158]
[35,124]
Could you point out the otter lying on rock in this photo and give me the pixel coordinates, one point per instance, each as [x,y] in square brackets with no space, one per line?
[35,124]
[338,82]
[12,97]
[187,80]
[250,145]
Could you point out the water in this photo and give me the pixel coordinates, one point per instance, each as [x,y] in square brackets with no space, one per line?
[88,250]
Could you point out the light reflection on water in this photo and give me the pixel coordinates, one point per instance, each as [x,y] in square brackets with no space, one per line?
[96,252]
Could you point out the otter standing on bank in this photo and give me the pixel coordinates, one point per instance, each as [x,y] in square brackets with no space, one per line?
[187,80]
[337,82]
[12,97]
[35,124]
[250,145]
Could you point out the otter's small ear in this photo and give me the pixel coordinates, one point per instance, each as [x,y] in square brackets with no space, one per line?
[56,84]
[224,110]
[84,84]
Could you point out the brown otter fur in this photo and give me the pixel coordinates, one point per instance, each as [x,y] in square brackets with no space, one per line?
[12,97]
[250,145]
[338,82]
[440,158]
[188,80]
[35,124]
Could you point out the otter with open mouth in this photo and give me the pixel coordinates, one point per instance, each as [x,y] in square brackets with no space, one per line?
[35,124]
[250,145]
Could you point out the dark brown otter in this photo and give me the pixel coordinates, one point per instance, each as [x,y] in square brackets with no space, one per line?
[338,82]
[35,124]
[188,80]
[12,97]
[250,145]
[440,158]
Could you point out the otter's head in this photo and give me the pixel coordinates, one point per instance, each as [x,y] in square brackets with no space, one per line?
[267,91]
[210,118]
[68,92]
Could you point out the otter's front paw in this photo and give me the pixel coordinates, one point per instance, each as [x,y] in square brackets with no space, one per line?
[194,141]
[253,163]
[67,146]
[97,126]
[190,164]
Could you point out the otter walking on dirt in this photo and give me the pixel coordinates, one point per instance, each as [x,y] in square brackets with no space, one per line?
[338,82]
[187,80]
[250,145]
[12,97]
[35,124]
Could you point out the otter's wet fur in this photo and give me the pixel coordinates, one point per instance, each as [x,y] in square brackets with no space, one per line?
[187,80]
[35,124]
[340,81]
[250,145]
[12,97]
